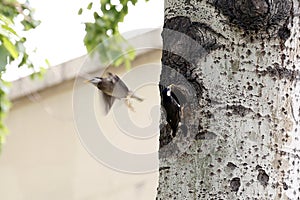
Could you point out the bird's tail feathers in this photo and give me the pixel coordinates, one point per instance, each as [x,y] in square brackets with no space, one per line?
[132,95]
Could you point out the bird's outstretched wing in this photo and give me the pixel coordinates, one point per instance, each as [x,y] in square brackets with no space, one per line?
[108,102]
[120,89]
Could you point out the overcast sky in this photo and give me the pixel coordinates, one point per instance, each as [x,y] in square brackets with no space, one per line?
[59,37]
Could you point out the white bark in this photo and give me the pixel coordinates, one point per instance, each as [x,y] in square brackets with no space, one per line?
[249,105]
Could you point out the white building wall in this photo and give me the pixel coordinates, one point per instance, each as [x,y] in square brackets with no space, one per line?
[43,158]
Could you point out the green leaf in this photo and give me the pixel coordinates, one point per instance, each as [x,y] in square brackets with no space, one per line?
[29,24]
[47,62]
[131,53]
[80,11]
[119,61]
[24,60]
[10,47]
[5,19]
[3,58]
[114,50]
[103,2]
[133,2]
[127,64]
[9,29]
[89,7]
[39,74]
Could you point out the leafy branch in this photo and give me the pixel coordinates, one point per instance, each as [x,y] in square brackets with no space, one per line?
[114,49]
[12,49]
[15,18]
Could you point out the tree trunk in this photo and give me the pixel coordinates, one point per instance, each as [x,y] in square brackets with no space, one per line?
[236,64]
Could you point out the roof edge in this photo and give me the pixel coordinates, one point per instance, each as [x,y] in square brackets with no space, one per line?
[143,41]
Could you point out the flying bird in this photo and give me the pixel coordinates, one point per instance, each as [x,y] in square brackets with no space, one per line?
[112,87]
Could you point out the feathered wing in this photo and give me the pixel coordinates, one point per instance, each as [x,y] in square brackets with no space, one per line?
[108,102]
[120,89]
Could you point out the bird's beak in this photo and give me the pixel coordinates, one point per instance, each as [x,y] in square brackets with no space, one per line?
[172,85]
[87,81]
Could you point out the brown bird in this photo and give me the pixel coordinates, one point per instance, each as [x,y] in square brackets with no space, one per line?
[112,87]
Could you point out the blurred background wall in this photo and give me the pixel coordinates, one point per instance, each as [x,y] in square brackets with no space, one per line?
[43,157]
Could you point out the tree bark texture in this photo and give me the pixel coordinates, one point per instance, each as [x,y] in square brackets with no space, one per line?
[237,65]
